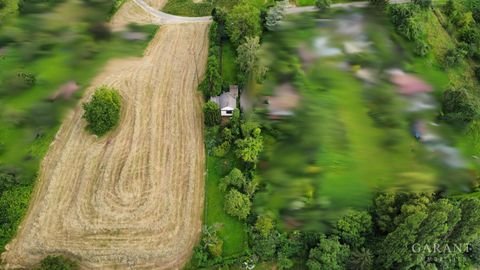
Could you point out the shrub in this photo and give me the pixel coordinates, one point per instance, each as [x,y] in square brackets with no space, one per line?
[379,3]
[423,3]
[212,83]
[16,82]
[323,5]
[103,111]
[264,225]
[222,149]
[235,178]
[237,204]
[459,105]
[477,73]
[421,48]
[57,263]
[212,113]
[453,57]
[469,35]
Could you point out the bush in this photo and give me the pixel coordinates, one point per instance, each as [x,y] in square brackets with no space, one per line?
[453,57]
[459,105]
[237,204]
[469,35]
[323,5]
[423,3]
[211,113]
[16,82]
[103,111]
[57,263]
[421,48]
[222,149]
[477,73]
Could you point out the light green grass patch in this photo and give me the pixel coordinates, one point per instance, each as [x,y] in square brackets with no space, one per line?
[232,231]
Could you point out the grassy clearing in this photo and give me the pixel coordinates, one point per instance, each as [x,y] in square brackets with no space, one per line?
[232,231]
[229,67]
[303,3]
[354,161]
[204,8]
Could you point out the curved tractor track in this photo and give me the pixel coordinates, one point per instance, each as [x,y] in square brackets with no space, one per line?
[134,198]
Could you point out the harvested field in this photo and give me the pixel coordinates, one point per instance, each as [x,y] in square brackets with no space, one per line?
[134,198]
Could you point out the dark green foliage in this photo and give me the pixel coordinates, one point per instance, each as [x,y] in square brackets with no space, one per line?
[353,228]
[470,35]
[468,227]
[454,57]
[57,263]
[265,246]
[211,113]
[323,5]
[406,22]
[8,180]
[423,3]
[102,112]
[212,83]
[100,31]
[458,105]
[13,205]
[379,3]
[16,82]
[477,73]
[250,147]
[243,21]
[361,259]
[237,204]
[36,6]
[233,179]
[421,48]
[2,4]
[328,254]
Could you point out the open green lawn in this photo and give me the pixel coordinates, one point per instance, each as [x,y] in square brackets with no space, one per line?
[232,230]
[353,160]
[229,67]
[204,8]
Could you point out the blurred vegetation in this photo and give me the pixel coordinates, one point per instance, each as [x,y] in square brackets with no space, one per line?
[42,48]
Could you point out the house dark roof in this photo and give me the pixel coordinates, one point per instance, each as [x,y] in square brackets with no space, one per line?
[227,99]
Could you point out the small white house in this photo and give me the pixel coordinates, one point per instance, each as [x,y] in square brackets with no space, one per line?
[227,101]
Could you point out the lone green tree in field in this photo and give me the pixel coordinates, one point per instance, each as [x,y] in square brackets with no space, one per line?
[212,113]
[102,112]
[243,21]
[237,204]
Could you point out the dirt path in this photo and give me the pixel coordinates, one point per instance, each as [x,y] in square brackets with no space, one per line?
[134,199]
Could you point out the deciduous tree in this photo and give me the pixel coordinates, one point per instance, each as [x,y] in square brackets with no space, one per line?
[102,112]
[237,204]
[243,21]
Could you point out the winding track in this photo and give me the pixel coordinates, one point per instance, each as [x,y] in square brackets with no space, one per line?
[134,198]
